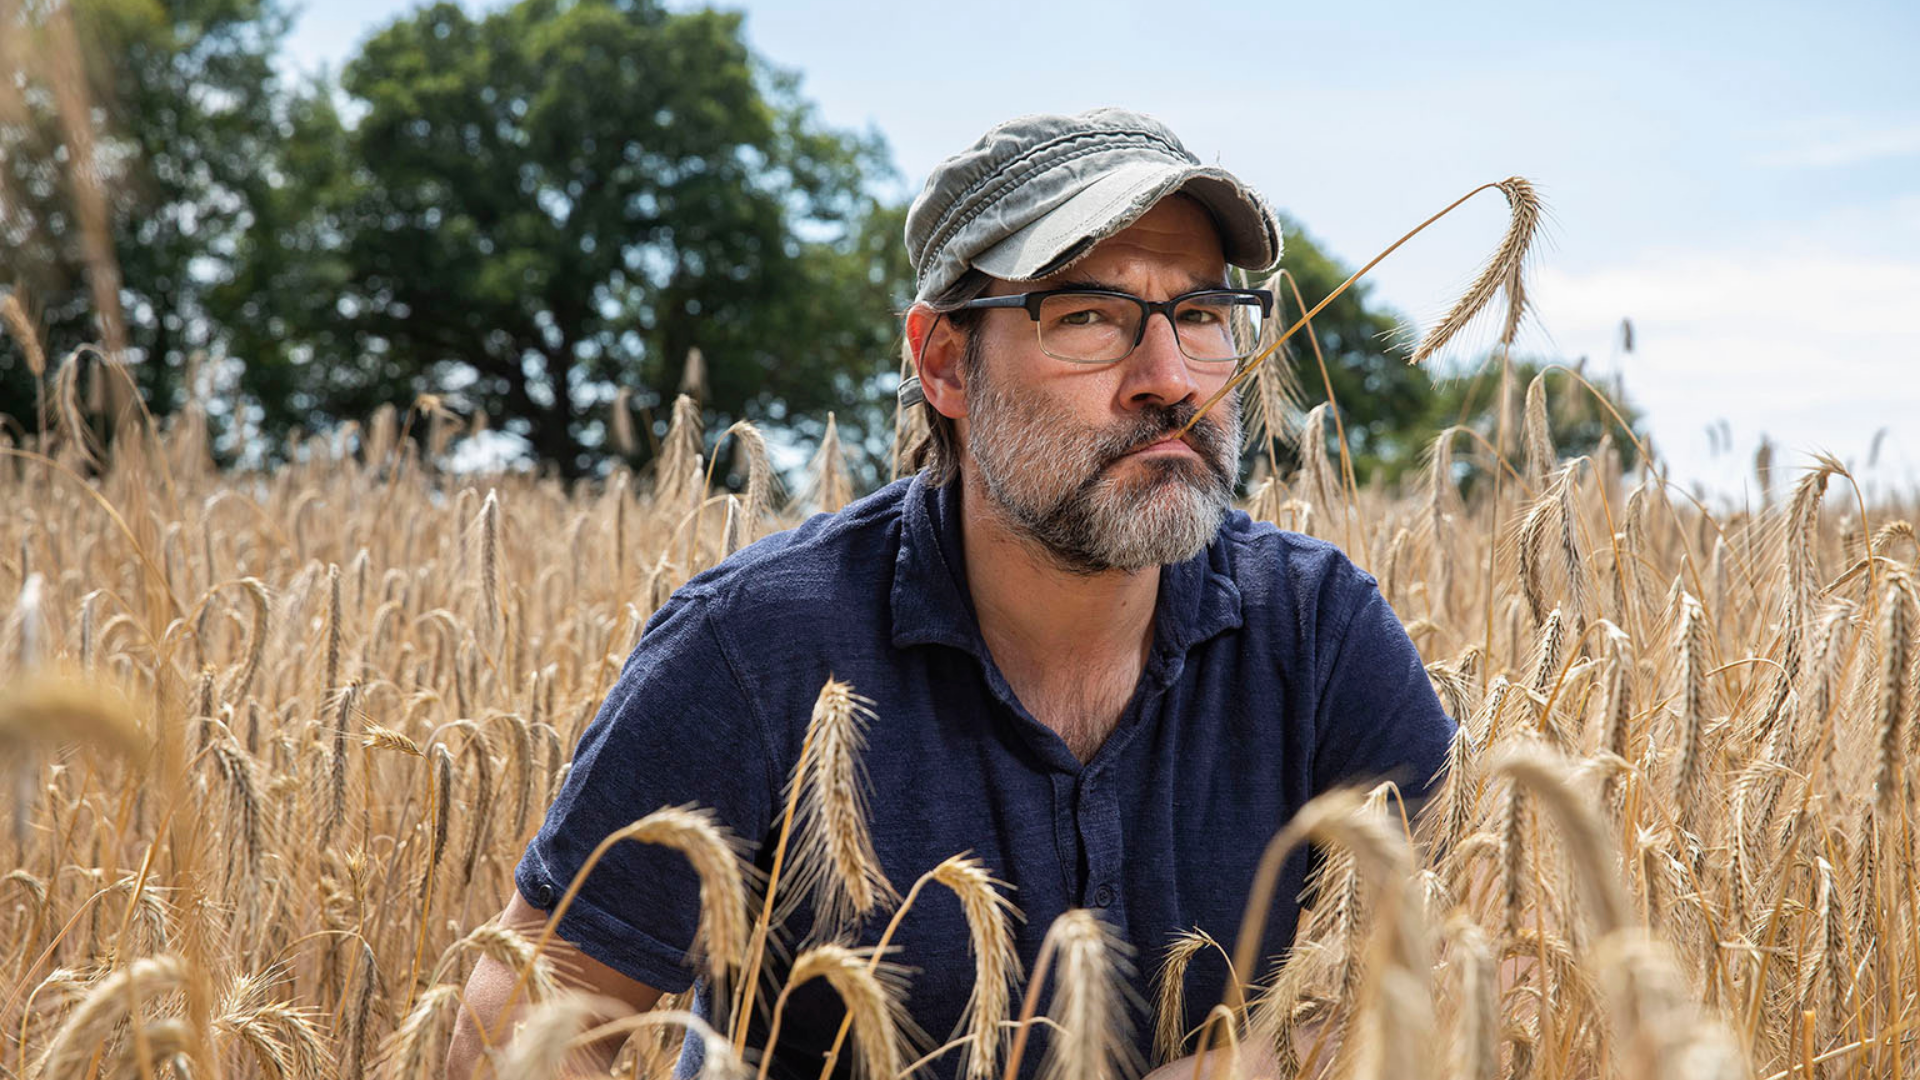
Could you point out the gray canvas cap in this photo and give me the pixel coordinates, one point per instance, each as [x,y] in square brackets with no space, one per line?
[1036,193]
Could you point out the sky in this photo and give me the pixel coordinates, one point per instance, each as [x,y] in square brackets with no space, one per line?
[1742,181]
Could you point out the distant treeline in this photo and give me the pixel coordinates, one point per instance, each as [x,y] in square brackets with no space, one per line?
[525,211]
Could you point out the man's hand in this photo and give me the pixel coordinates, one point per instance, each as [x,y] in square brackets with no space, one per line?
[481,1024]
[1256,1063]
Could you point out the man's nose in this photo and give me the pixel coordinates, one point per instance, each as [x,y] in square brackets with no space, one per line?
[1157,371]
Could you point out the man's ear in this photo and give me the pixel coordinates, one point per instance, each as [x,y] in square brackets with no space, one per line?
[938,348]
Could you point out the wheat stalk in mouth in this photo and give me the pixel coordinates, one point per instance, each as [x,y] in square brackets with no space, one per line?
[1505,269]
[1503,272]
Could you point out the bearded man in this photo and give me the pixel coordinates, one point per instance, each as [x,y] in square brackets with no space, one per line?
[1088,671]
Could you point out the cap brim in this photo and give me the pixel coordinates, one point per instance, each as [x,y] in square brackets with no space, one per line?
[1249,234]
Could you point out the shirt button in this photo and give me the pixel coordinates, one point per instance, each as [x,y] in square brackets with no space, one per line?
[1103,896]
[543,895]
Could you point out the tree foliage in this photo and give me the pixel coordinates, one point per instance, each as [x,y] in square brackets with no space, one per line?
[524,210]
[540,205]
[182,111]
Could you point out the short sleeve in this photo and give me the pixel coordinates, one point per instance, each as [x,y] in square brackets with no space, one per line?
[675,729]
[1378,717]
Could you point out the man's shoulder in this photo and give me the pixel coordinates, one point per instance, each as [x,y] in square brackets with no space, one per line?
[1274,566]
[842,561]
[1299,595]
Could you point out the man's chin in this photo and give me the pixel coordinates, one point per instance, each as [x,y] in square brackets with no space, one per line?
[1172,518]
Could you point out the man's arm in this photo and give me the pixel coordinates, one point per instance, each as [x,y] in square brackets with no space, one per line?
[1377,717]
[492,981]
[675,729]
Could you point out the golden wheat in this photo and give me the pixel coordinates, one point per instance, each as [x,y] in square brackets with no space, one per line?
[243,719]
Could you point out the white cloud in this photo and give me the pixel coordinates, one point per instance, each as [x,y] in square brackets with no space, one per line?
[1816,351]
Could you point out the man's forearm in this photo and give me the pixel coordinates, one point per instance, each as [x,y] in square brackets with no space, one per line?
[486,992]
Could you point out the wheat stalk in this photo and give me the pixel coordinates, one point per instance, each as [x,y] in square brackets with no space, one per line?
[1088,1011]
[415,1049]
[545,1037]
[283,1039]
[13,316]
[1170,993]
[835,867]
[490,562]
[1691,644]
[879,1019]
[1503,272]
[829,486]
[722,889]
[721,938]
[995,964]
[1477,1006]
[106,1005]
[1504,269]
[1897,645]
[760,480]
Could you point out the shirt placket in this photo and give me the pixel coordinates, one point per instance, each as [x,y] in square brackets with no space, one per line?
[1098,812]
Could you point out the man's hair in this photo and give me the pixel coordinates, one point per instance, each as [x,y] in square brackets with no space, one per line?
[936,454]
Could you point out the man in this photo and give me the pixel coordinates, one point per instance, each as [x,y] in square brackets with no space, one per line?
[1089,672]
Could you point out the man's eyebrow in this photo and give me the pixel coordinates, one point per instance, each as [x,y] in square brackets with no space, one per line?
[1194,284]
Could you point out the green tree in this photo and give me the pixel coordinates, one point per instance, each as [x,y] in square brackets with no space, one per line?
[540,205]
[183,114]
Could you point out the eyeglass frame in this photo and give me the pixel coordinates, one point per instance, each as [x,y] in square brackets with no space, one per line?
[910,393]
[1031,301]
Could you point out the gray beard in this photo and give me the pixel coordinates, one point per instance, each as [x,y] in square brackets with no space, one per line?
[1055,486]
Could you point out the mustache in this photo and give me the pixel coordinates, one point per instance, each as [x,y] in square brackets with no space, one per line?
[1156,422]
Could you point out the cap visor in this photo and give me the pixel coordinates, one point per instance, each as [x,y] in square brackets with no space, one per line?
[1058,239]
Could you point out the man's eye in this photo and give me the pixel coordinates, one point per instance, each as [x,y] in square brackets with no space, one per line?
[1201,316]
[1083,317]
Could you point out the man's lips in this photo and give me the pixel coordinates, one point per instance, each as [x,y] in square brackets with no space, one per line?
[1168,444]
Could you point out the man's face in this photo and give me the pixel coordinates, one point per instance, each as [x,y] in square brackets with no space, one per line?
[1079,457]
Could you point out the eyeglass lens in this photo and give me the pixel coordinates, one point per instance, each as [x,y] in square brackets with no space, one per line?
[1100,328]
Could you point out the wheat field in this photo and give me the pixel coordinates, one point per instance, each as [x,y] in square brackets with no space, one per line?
[274,743]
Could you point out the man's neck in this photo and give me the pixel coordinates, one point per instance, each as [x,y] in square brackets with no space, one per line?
[1036,614]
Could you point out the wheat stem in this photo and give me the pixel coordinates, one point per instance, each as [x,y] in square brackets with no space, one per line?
[1260,357]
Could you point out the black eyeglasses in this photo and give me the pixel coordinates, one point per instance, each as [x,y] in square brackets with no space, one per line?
[1102,326]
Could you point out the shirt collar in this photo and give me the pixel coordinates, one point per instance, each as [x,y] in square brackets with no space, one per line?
[932,605]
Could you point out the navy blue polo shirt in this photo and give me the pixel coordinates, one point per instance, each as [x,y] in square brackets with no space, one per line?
[1277,671]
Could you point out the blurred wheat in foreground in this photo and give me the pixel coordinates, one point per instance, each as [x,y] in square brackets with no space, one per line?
[273,743]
